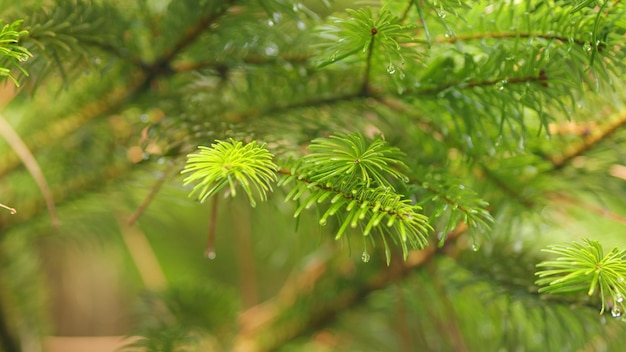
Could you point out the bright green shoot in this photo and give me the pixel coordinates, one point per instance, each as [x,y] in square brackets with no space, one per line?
[11,53]
[584,267]
[343,156]
[231,164]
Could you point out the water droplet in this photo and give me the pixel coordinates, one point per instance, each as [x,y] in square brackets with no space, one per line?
[442,13]
[616,312]
[301,25]
[271,50]
[619,298]
[475,247]
[500,85]
[322,222]
[391,68]
[365,257]
[210,254]
[270,23]
[587,47]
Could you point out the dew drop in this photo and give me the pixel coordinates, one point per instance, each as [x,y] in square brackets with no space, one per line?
[301,25]
[270,23]
[391,68]
[500,85]
[475,247]
[210,254]
[365,257]
[271,50]
[616,312]
[587,47]
[619,298]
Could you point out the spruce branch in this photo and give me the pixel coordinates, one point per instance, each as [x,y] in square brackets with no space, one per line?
[270,325]
[355,175]
[382,38]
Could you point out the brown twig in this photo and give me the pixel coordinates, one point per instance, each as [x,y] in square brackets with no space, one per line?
[148,199]
[31,164]
[592,139]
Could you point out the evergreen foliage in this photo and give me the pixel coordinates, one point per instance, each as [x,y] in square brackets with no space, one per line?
[445,142]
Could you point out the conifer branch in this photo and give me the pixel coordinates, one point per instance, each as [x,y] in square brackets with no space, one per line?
[193,31]
[591,140]
[273,330]
[509,35]
[110,101]
[540,79]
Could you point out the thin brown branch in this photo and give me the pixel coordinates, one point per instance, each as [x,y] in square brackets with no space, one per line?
[603,212]
[148,199]
[143,255]
[11,210]
[540,79]
[194,31]
[365,85]
[506,188]
[592,139]
[509,35]
[31,164]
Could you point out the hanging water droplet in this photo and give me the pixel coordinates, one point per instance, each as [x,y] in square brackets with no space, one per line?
[270,23]
[210,254]
[277,16]
[365,257]
[587,47]
[391,68]
[475,247]
[500,85]
[271,49]
[616,312]
[442,14]
[619,298]
[301,25]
